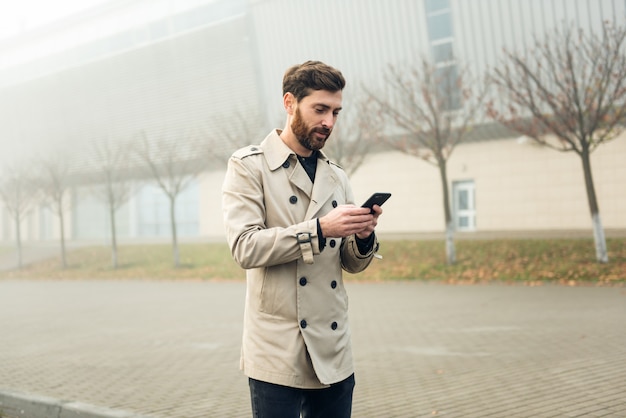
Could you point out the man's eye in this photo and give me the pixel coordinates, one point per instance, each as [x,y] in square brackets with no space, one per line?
[319,110]
[335,114]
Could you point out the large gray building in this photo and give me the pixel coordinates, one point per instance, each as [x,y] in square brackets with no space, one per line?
[114,75]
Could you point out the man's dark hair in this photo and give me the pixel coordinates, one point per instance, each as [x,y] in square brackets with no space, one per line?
[301,79]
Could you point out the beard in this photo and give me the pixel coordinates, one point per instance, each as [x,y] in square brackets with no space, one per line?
[308,137]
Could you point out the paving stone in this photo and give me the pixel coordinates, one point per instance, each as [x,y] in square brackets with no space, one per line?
[168,349]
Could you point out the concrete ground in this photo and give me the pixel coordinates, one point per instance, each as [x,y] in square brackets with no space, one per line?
[167,349]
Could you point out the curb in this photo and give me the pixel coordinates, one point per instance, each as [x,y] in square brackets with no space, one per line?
[15,404]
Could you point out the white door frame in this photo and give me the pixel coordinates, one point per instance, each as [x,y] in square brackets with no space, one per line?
[464,205]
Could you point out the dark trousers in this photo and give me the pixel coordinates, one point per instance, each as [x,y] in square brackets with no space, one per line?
[275,401]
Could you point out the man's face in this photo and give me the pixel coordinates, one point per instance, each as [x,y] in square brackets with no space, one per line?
[315,117]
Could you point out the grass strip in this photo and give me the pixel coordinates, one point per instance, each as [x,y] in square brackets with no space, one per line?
[531,261]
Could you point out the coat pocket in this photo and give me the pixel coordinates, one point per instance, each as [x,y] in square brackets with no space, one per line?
[277,296]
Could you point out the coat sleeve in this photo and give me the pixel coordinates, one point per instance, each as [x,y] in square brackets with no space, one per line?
[251,242]
[352,260]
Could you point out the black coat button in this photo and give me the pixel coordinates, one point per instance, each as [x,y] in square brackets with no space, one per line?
[334,203]
[332,243]
[293,200]
[286,164]
[333,284]
[302,281]
[303,324]
[333,326]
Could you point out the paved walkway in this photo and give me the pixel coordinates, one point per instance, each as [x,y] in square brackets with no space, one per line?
[171,349]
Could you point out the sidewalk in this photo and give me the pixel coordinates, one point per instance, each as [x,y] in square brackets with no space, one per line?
[171,349]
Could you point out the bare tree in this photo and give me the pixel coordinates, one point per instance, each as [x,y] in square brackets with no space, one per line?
[352,139]
[568,93]
[428,110]
[53,180]
[17,194]
[173,162]
[225,133]
[111,166]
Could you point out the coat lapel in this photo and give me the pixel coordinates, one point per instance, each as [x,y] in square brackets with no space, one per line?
[301,179]
[326,181]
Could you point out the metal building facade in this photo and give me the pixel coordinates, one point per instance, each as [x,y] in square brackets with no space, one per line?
[175,74]
[364,37]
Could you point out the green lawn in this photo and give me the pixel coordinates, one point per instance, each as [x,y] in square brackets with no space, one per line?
[533,261]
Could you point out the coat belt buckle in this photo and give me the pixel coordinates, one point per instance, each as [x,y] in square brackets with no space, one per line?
[303,237]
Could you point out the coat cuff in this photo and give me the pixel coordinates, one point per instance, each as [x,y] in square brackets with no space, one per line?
[308,240]
[365,245]
[352,260]
[306,246]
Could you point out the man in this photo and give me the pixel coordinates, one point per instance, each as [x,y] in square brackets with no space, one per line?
[292,224]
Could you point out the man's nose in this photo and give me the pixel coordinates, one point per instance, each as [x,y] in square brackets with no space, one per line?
[328,121]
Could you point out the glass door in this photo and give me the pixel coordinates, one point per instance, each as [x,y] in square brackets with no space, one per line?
[464,205]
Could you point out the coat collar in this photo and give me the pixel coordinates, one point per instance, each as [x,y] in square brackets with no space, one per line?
[277,152]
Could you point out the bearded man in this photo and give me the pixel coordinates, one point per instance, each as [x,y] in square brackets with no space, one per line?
[292,224]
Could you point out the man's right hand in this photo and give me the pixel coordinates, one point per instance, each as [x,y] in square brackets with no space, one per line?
[345,220]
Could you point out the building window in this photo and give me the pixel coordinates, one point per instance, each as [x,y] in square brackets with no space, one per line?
[153,212]
[442,52]
[439,26]
[441,41]
[446,78]
[6,222]
[439,20]
[46,221]
[436,5]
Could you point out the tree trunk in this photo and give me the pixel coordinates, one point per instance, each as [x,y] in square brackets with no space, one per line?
[62,225]
[598,236]
[18,240]
[598,231]
[174,234]
[113,237]
[450,249]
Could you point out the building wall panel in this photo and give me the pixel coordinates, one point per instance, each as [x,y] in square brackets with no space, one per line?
[180,83]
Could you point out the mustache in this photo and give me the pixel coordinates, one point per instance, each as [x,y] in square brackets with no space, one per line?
[324,131]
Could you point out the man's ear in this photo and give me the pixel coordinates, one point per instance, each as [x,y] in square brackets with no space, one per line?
[289,102]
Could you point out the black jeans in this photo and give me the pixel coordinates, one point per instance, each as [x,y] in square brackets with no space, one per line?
[275,401]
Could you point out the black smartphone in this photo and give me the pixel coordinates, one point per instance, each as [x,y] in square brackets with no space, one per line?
[376,199]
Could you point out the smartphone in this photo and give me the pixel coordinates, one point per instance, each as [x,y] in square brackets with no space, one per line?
[376,199]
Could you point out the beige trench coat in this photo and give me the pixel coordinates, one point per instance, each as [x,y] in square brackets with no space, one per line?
[296,330]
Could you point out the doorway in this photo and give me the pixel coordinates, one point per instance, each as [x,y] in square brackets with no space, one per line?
[464,205]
